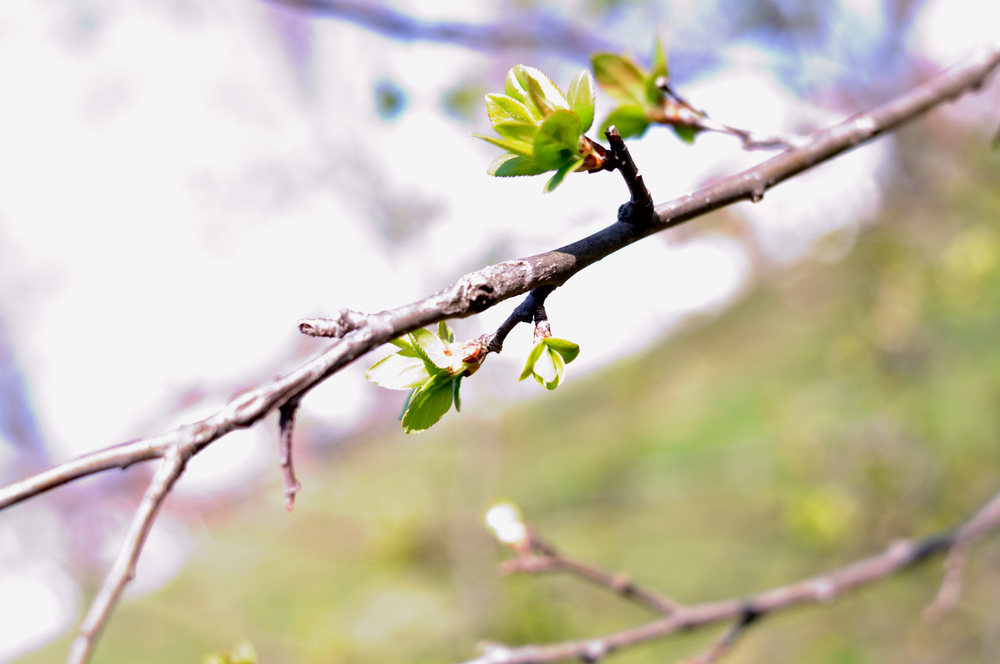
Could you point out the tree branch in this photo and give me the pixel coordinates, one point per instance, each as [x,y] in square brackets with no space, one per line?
[123,570]
[480,290]
[745,611]
[548,559]
[539,31]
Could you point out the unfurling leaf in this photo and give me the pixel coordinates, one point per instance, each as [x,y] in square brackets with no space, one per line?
[540,128]
[557,179]
[547,361]
[581,99]
[432,367]
[428,406]
[557,140]
[396,372]
[621,77]
[629,120]
[508,165]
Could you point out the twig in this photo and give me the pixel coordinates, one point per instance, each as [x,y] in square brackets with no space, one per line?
[639,210]
[951,583]
[480,290]
[526,312]
[819,589]
[548,559]
[726,641]
[678,111]
[286,426]
[123,569]
[950,590]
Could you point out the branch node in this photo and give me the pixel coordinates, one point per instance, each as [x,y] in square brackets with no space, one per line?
[531,309]
[346,321]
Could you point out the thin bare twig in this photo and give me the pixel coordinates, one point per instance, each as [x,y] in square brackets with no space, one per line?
[480,290]
[123,569]
[726,641]
[819,589]
[286,426]
[547,559]
[678,111]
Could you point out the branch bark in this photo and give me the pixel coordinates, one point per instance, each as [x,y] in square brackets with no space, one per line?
[123,570]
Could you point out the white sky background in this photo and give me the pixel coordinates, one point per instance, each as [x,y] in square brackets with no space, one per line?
[173,199]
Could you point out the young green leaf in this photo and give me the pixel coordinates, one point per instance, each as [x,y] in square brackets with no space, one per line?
[445,333]
[540,90]
[581,99]
[517,131]
[513,89]
[509,165]
[457,383]
[567,349]
[621,78]
[558,140]
[501,108]
[630,120]
[685,132]
[431,349]
[396,372]
[517,147]
[547,361]
[557,179]
[428,406]
[653,94]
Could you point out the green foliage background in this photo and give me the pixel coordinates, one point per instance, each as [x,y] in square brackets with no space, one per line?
[837,407]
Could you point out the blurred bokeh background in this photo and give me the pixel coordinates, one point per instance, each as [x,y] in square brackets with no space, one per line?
[767,392]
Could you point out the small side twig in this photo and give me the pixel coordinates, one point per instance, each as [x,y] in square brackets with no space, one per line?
[346,321]
[950,590]
[528,311]
[727,640]
[640,209]
[286,426]
[678,111]
[123,569]
[540,556]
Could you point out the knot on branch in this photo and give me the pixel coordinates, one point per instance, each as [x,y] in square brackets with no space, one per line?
[347,321]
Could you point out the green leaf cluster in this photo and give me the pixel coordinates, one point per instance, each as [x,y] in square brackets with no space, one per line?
[432,366]
[547,361]
[640,103]
[542,129]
